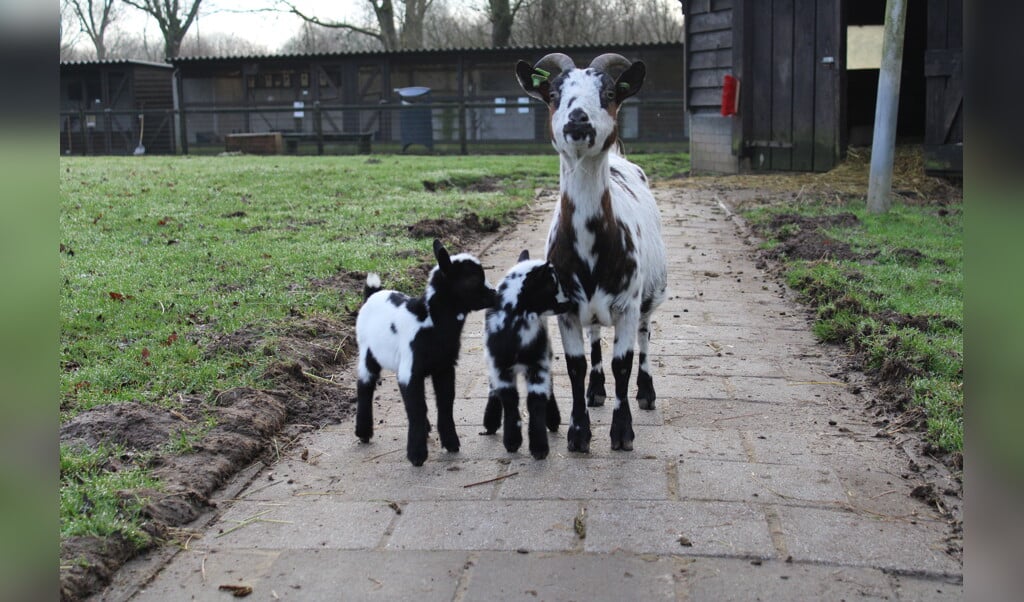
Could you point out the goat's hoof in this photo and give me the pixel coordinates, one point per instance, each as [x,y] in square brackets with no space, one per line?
[488,432]
[578,440]
[622,445]
[364,439]
[539,454]
[622,437]
[417,458]
[645,404]
[513,443]
[595,401]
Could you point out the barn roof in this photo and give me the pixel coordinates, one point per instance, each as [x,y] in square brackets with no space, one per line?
[426,51]
[95,63]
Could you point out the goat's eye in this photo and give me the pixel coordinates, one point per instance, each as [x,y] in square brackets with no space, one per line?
[609,94]
[553,95]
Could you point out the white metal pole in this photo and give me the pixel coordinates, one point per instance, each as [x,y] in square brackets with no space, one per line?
[883,142]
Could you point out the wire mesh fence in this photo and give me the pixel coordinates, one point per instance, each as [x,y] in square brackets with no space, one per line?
[413,125]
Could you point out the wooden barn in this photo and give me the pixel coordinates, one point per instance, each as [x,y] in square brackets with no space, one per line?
[803,97]
[114,107]
[449,100]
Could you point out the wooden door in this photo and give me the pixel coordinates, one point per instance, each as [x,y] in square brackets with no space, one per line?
[944,88]
[794,58]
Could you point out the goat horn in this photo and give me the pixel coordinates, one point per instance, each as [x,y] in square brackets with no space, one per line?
[611,63]
[556,61]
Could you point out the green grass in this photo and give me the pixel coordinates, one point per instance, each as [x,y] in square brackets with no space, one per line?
[91,502]
[159,255]
[901,307]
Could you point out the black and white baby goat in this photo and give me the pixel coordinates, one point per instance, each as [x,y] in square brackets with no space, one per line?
[517,343]
[417,337]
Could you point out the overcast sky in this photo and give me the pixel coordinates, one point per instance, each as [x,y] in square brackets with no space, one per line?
[270,29]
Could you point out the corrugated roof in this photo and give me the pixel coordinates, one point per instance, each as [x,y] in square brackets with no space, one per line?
[398,53]
[95,63]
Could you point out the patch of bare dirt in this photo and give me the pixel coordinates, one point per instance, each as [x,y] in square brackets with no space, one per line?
[309,390]
[456,233]
[804,237]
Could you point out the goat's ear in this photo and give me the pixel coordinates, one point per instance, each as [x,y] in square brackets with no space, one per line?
[444,261]
[630,82]
[524,256]
[537,87]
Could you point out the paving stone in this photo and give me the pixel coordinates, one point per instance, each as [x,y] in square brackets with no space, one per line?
[914,588]
[745,482]
[712,528]
[546,576]
[366,575]
[725,580]
[559,478]
[307,522]
[495,525]
[197,575]
[831,536]
[343,479]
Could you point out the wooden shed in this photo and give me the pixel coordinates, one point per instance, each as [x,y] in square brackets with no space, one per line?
[800,104]
[111,107]
[451,99]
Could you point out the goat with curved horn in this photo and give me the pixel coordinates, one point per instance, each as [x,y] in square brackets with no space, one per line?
[556,61]
[611,63]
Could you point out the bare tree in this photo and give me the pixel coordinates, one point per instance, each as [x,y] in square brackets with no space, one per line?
[410,14]
[172,17]
[220,44]
[502,14]
[70,32]
[95,18]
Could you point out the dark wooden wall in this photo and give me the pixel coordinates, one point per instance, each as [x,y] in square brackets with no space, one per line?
[709,53]
[944,120]
[791,98]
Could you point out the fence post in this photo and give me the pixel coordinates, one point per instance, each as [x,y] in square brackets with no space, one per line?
[319,126]
[887,108]
[184,130]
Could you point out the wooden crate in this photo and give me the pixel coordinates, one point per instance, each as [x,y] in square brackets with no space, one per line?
[267,143]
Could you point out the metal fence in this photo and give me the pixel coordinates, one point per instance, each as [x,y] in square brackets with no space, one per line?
[497,125]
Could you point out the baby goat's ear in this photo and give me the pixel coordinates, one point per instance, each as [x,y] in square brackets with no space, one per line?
[444,261]
[524,256]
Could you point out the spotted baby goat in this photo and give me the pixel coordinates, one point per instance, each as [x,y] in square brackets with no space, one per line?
[415,338]
[516,342]
[605,237]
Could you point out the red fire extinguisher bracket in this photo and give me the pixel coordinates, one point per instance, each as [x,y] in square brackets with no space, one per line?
[730,95]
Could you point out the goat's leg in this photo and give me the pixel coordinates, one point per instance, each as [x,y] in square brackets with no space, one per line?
[554,417]
[622,366]
[416,411]
[645,395]
[444,390]
[512,430]
[369,375]
[538,385]
[572,344]
[497,380]
[595,388]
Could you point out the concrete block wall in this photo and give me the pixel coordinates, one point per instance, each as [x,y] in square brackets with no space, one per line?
[711,144]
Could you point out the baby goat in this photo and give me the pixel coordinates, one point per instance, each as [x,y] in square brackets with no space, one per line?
[605,238]
[416,338]
[517,343]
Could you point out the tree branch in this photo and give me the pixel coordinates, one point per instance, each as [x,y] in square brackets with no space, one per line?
[291,8]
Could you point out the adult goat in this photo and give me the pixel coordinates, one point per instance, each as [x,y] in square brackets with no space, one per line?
[605,237]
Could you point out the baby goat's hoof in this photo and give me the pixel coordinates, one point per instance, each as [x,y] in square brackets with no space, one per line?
[622,437]
[645,404]
[579,439]
[595,390]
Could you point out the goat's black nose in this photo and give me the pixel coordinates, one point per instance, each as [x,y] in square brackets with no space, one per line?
[578,116]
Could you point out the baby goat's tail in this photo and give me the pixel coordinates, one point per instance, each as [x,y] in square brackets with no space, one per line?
[372,285]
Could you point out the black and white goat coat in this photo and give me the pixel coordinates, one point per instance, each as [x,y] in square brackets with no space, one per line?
[605,237]
[417,337]
[516,342]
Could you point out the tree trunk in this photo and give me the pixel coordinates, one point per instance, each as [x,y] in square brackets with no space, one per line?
[501,23]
